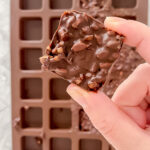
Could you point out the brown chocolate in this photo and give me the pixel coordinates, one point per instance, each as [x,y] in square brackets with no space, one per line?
[17,123]
[85,124]
[95,4]
[83,52]
[127,62]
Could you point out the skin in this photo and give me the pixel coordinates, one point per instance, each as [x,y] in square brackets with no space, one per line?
[125,119]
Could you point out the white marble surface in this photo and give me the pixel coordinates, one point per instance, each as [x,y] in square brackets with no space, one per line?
[5,102]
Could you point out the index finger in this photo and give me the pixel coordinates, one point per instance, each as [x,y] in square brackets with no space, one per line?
[137,34]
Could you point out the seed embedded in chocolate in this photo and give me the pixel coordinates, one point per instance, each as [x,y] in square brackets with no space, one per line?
[54,51]
[94,67]
[48,52]
[115,55]
[121,73]
[104,65]
[95,26]
[61,71]
[118,37]
[60,50]
[93,85]
[98,39]
[86,29]
[56,58]
[48,48]
[88,37]
[79,46]
[70,21]
[81,76]
[78,21]
[113,44]
[63,34]
[44,58]
[61,43]
[111,33]
[88,75]
[102,53]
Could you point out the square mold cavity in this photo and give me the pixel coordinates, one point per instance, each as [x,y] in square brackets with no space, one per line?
[31,88]
[90,144]
[60,118]
[58,89]
[31,143]
[60,4]
[29,58]
[30,4]
[124,3]
[54,22]
[60,144]
[31,117]
[31,29]
[128,17]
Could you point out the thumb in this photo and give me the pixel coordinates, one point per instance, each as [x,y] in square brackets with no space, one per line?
[114,125]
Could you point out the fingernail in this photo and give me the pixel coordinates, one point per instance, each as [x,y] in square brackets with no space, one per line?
[114,19]
[78,94]
[112,22]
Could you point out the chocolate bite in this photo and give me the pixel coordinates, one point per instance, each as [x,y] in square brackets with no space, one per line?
[82,50]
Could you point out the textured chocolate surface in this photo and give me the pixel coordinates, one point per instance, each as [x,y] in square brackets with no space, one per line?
[82,50]
[85,124]
[98,4]
[127,62]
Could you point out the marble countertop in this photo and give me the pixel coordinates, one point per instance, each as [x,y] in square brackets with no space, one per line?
[5,94]
[5,97]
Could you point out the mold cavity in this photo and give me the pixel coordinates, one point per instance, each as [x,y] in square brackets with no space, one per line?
[128,17]
[31,143]
[58,89]
[31,88]
[30,4]
[60,4]
[31,29]
[30,58]
[88,144]
[124,3]
[31,117]
[60,144]
[54,22]
[60,118]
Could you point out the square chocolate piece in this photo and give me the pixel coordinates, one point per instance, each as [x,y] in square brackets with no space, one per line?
[82,50]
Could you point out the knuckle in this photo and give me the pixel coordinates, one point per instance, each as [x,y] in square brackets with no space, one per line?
[143,67]
[105,126]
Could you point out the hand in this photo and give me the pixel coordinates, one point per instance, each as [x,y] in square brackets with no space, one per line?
[125,120]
